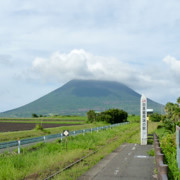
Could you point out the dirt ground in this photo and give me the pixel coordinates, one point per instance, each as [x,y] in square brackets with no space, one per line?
[5,127]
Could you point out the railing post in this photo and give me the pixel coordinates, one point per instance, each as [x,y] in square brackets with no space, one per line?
[44,139]
[178,146]
[19,146]
[61,137]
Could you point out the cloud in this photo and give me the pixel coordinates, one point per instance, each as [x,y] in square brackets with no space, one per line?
[174,65]
[5,60]
[83,65]
[80,64]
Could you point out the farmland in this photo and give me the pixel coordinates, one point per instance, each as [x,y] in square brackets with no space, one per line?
[21,124]
[13,128]
[16,126]
[43,159]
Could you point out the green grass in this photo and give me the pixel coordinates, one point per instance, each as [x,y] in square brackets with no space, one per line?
[59,118]
[133,118]
[8,136]
[168,145]
[43,159]
[51,156]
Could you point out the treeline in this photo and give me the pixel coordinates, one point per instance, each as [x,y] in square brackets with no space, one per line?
[111,116]
[172,116]
[36,115]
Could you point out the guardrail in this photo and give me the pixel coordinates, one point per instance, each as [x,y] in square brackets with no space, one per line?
[18,143]
[162,169]
[178,146]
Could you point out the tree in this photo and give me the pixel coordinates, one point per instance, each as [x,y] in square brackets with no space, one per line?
[178,101]
[91,115]
[114,116]
[172,117]
[35,115]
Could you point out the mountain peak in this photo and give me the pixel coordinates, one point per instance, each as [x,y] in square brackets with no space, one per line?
[79,96]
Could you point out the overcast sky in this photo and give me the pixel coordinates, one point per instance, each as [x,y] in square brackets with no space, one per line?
[46,43]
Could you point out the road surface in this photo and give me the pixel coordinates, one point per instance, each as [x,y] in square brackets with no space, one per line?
[128,162]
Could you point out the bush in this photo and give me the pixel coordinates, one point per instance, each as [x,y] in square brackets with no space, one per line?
[91,115]
[35,115]
[156,117]
[39,127]
[103,117]
[113,116]
[168,146]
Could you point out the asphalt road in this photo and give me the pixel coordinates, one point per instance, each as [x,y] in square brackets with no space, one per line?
[128,162]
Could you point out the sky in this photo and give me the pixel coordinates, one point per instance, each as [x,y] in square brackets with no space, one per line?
[44,44]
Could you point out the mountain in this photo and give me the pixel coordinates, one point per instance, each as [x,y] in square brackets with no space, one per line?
[78,96]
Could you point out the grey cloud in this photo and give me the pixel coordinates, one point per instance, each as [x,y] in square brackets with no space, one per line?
[5,60]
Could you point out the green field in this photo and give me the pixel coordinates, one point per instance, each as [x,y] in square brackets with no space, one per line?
[43,159]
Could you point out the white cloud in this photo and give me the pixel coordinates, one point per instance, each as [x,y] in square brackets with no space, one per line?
[81,64]
[174,65]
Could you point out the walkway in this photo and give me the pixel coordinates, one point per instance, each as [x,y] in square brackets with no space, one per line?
[128,162]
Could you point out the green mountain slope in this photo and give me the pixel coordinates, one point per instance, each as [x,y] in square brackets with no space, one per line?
[79,96]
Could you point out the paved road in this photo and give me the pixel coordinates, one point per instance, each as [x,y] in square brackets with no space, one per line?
[128,162]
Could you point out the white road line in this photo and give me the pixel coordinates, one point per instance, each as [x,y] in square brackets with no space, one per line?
[134,148]
[116,172]
[142,157]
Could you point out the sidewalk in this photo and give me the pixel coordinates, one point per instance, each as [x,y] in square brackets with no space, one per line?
[128,162]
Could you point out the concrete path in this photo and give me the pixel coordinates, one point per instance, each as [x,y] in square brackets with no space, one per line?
[128,162]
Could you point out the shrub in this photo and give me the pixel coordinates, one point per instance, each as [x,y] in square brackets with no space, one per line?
[168,146]
[113,116]
[35,115]
[156,117]
[91,115]
[39,127]
[110,116]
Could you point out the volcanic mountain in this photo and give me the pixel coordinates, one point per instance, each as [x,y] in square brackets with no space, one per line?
[78,96]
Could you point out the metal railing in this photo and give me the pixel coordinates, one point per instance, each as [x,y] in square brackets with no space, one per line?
[18,143]
[178,146]
[162,169]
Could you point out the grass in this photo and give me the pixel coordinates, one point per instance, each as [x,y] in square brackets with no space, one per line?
[43,159]
[50,156]
[168,146]
[132,135]
[8,136]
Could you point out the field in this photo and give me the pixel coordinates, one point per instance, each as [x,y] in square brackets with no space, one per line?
[21,124]
[44,159]
[16,126]
[41,160]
